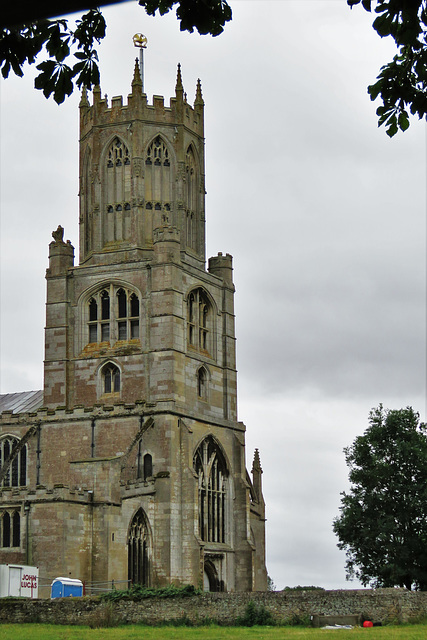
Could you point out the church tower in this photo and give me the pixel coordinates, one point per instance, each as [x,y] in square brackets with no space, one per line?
[137,450]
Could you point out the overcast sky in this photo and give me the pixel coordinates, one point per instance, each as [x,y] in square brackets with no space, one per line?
[325,217]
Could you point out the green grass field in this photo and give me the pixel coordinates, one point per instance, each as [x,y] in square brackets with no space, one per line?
[140,632]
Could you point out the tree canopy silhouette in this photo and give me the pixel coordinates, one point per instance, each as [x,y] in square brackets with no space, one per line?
[383,521]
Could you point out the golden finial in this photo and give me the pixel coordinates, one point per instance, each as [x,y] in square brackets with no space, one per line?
[140,41]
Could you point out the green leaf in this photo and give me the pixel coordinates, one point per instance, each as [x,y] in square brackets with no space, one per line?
[5,69]
[403,121]
[383,25]
[375,89]
[56,79]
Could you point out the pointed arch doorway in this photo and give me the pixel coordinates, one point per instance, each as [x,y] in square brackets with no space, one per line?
[139,550]
[210,577]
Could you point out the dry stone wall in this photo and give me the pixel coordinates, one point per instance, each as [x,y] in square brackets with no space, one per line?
[381,605]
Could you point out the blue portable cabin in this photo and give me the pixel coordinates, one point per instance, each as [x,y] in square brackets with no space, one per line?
[66,587]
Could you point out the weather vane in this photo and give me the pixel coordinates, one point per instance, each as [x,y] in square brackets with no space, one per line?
[140,42]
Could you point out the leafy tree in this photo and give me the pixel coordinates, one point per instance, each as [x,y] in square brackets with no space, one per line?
[22,39]
[402,83]
[271,585]
[383,521]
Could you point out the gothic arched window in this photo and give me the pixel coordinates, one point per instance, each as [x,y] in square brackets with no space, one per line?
[110,378]
[191,209]
[144,465]
[148,466]
[16,475]
[10,529]
[199,321]
[202,383]
[117,191]
[16,529]
[211,469]
[86,200]
[158,185]
[138,550]
[105,316]
[113,315]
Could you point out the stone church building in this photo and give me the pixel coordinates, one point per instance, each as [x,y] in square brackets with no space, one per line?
[130,464]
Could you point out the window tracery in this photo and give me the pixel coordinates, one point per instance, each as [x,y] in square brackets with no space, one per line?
[113,315]
[118,154]
[110,378]
[117,191]
[86,199]
[158,187]
[10,528]
[191,198]
[16,475]
[199,321]
[211,469]
[138,550]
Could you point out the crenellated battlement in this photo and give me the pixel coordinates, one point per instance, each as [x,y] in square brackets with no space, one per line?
[58,492]
[179,112]
[78,412]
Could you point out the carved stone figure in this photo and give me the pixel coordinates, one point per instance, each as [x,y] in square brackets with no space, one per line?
[58,235]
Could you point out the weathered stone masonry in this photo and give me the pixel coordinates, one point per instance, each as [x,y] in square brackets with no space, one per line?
[132,465]
[380,605]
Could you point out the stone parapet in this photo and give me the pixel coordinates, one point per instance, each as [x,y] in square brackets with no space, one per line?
[101,412]
[55,493]
[178,111]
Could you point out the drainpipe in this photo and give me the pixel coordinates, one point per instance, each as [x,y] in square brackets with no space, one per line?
[92,445]
[27,532]
[38,452]
[90,494]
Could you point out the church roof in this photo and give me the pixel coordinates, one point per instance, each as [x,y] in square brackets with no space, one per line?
[23,402]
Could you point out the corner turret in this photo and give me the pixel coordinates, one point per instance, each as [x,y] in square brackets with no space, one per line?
[222,266]
[61,254]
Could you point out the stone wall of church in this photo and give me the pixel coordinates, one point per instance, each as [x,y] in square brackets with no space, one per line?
[83,491]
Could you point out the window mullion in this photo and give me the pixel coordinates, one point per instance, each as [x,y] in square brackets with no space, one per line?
[113,306]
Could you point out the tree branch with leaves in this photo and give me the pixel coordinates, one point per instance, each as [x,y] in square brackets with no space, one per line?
[22,44]
[402,83]
[72,59]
